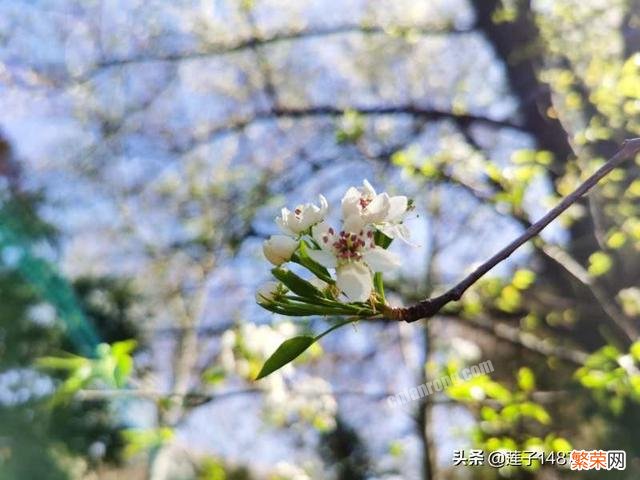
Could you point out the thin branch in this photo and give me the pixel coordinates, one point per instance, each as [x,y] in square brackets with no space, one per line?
[429,307]
[257,41]
[527,340]
[294,113]
[605,300]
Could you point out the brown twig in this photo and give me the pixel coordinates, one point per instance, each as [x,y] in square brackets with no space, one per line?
[429,307]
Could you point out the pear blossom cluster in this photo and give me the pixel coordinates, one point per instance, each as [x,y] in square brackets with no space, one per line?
[346,261]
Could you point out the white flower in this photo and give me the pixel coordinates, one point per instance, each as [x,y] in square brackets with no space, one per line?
[279,248]
[354,256]
[287,471]
[363,206]
[267,292]
[302,217]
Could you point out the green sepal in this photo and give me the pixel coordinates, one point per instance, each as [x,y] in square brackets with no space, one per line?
[381,239]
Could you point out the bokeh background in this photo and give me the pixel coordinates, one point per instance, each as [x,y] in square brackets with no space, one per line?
[146,147]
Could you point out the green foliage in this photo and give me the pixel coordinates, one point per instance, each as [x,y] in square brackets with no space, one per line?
[214,469]
[140,440]
[111,368]
[351,127]
[31,327]
[296,284]
[613,376]
[303,258]
[503,411]
[599,264]
[288,351]
[292,348]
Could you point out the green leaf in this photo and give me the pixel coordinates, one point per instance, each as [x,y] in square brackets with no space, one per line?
[124,347]
[124,367]
[288,351]
[599,263]
[314,267]
[497,392]
[536,411]
[351,127]
[560,445]
[214,375]
[291,349]
[61,363]
[526,379]
[296,284]
[523,279]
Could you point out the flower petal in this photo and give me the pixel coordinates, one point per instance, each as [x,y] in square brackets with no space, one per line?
[378,209]
[323,257]
[324,205]
[351,203]
[353,223]
[283,222]
[397,231]
[354,279]
[368,189]
[381,260]
[397,208]
[323,234]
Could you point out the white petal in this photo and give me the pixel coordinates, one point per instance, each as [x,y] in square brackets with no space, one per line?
[353,223]
[398,231]
[323,231]
[283,222]
[402,232]
[351,203]
[381,260]
[324,258]
[355,280]
[308,218]
[368,188]
[397,208]
[378,209]
[283,227]
[324,205]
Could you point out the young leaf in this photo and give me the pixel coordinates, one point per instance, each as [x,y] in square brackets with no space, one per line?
[291,349]
[296,284]
[314,267]
[526,379]
[288,351]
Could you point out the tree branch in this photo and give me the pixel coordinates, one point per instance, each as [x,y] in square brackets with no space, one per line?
[257,41]
[429,307]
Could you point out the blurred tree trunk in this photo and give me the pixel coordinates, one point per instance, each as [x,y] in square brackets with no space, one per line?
[518,44]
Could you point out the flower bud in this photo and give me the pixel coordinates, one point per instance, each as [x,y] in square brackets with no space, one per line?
[279,248]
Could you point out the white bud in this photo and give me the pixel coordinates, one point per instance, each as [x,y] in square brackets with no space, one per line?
[279,248]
